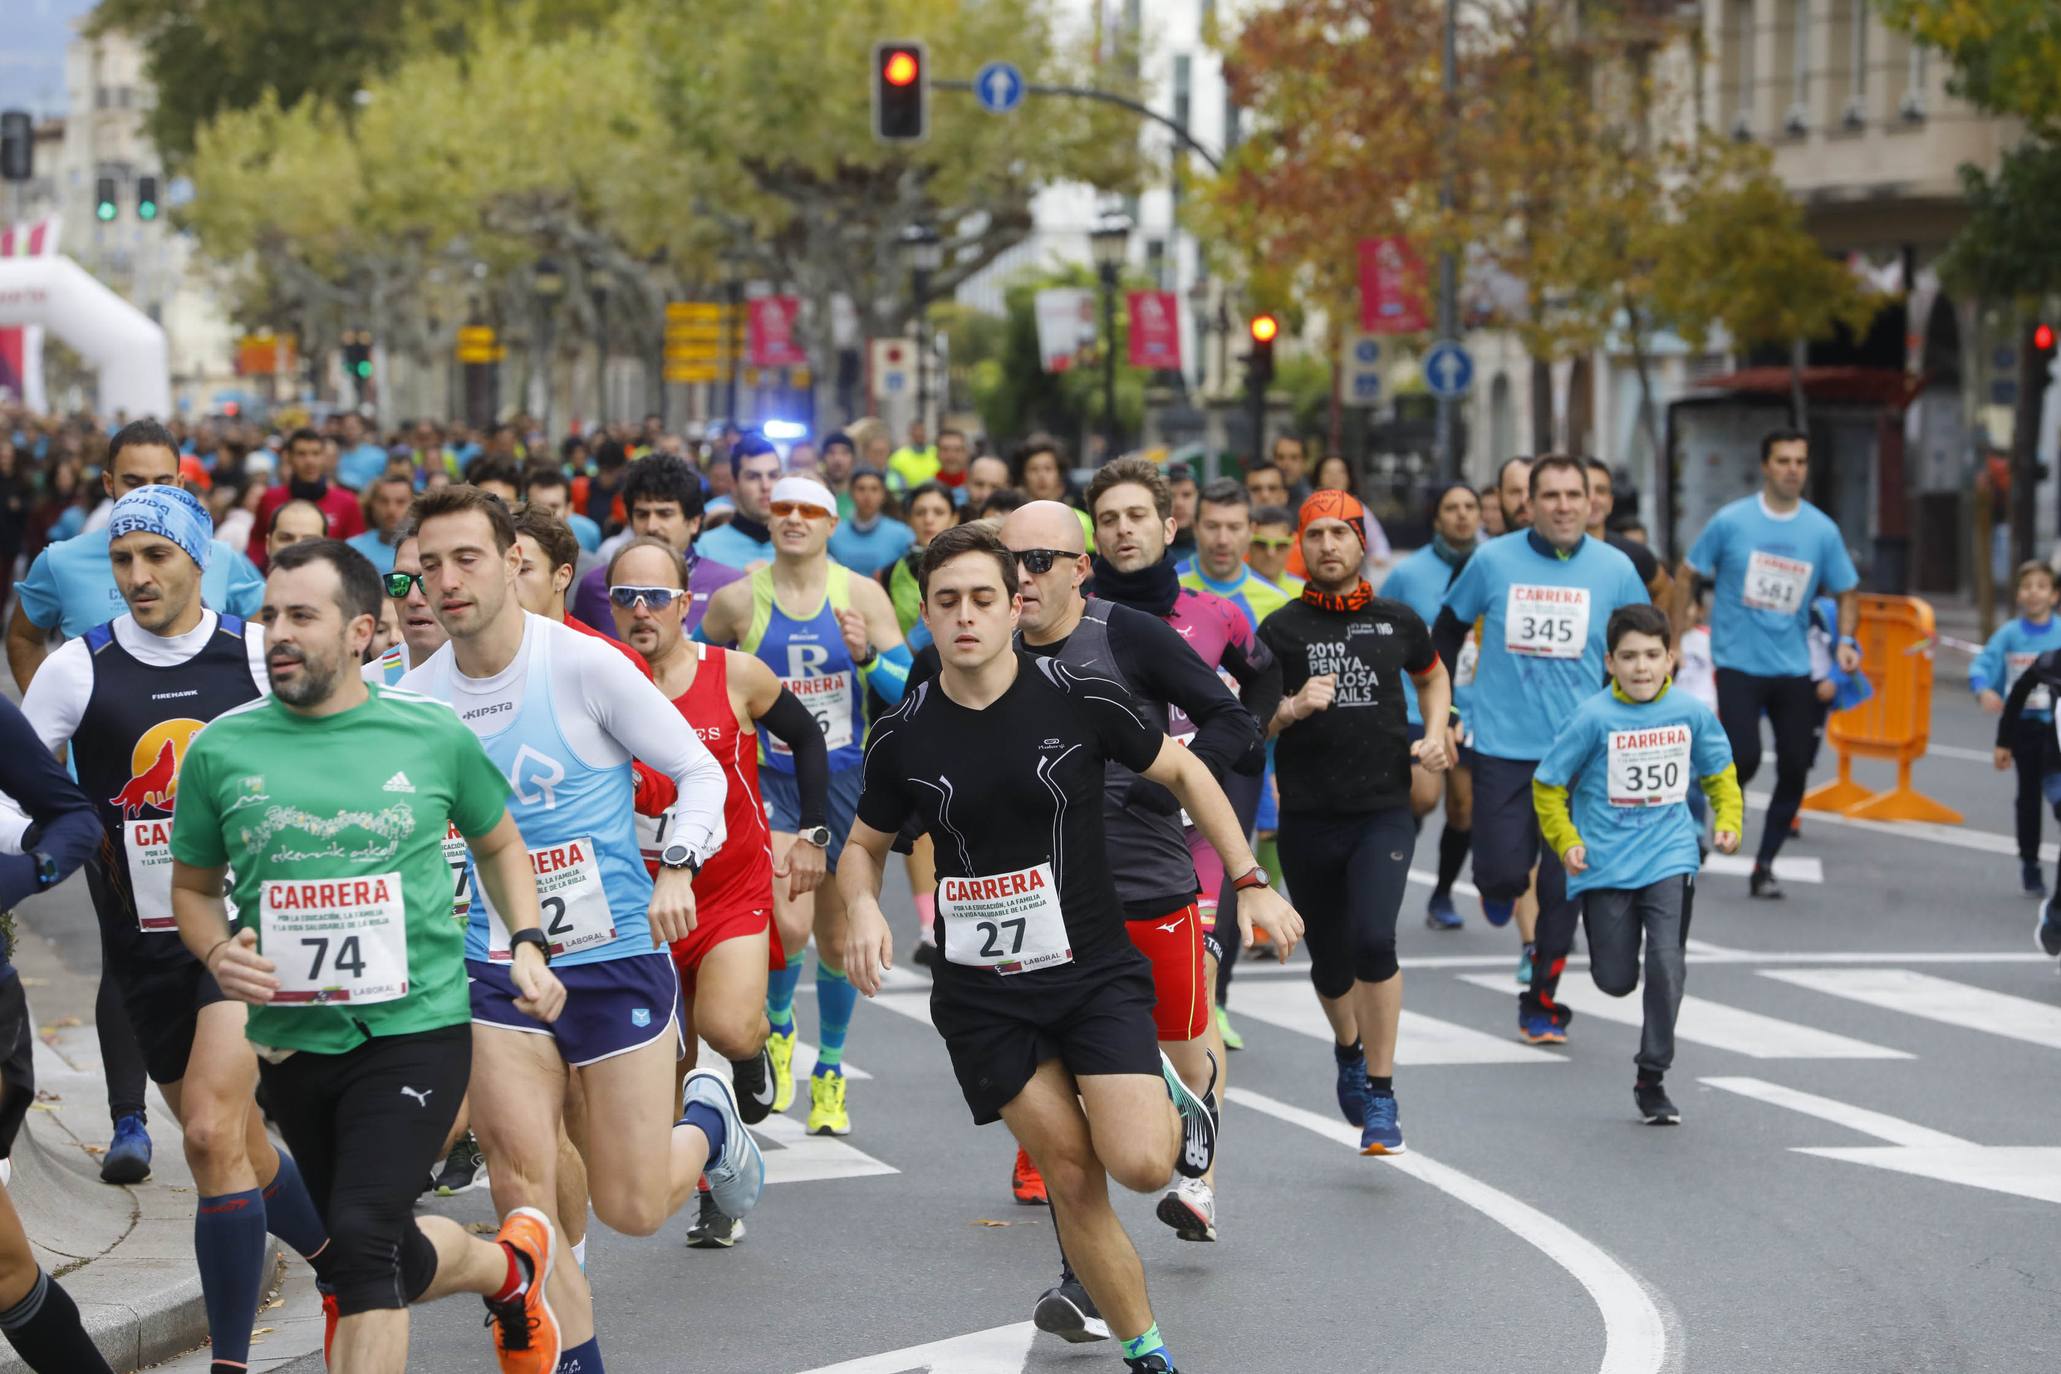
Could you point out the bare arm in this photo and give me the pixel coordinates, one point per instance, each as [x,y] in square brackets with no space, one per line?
[1178,770]
[503,864]
[868,943]
[239,970]
[26,647]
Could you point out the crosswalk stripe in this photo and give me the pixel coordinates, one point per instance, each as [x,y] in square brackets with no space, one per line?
[1711,1023]
[1799,869]
[1893,1129]
[1421,1041]
[1936,999]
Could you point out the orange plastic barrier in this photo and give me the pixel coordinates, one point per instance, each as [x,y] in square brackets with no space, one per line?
[1896,638]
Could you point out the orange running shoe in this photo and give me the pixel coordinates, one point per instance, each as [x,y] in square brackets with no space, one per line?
[1027,1183]
[526,1335]
[330,1317]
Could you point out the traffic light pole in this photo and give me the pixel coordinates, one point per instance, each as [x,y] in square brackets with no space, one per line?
[1179,131]
[1447,455]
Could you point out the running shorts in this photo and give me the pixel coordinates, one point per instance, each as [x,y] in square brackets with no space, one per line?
[164,1005]
[17,1060]
[783,806]
[611,1007]
[712,927]
[1174,945]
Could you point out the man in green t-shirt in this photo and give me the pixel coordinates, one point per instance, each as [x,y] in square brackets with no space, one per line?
[328,801]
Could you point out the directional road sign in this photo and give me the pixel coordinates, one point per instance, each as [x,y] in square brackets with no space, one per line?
[999,87]
[1448,369]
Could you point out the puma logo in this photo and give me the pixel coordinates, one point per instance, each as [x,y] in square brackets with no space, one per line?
[420,1095]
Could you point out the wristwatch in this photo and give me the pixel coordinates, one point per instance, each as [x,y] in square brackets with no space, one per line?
[532,936]
[1251,878]
[47,875]
[678,855]
[817,835]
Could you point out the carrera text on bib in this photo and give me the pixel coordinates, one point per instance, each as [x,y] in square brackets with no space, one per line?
[1008,922]
[829,699]
[1649,767]
[1546,622]
[148,844]
[336,939]
[1775,583]
[575,905]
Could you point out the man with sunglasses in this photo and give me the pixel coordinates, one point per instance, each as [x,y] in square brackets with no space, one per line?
[663,497]
[1273,539]
[421,633]
[828,636]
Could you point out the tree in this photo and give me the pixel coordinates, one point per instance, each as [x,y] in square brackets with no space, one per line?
[1015,395]
[2006,53]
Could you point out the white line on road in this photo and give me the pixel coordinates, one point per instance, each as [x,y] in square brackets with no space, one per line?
[1936,999]
[1713,1023]
[1959,836]
[798,1157]
[1002,1350]
[1877,1124]
[1954,751]
[1421,1041]
[1799,869]
[1636,1337]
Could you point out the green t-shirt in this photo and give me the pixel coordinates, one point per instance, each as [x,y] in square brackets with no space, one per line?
[333,829]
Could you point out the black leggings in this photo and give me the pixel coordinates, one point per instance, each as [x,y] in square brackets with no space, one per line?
[1347,875]
[1791,706]
[2029,752]
[366,1128]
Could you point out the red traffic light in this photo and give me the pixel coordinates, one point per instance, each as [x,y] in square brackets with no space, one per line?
[901,67]
[1264,328]
[2043,337]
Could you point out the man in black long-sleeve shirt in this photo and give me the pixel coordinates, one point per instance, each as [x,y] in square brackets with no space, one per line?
[2045,672]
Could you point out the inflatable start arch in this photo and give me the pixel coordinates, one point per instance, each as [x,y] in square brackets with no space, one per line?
[125,345]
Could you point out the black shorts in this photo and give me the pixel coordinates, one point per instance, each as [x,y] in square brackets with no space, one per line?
[1093,1018]
[17,1060]
[164,1005]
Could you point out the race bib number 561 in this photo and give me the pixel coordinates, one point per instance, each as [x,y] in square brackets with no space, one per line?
[1546,622]
[336,939]
[1008,922]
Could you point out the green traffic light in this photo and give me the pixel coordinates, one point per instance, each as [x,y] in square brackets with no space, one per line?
[147,210]
[365,367]
[106,211]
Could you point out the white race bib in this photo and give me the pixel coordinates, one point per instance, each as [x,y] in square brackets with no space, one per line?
[459,856]
[336,939]
[149,846]
[1649,767]
[827,697]
[2039,699]
[1009,922]
[1467,661]
[576,914]
[1186,739]
[1546,622]
[1775,583]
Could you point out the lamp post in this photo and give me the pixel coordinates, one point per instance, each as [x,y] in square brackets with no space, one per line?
[1106,244]
[547,283]
[923,252]
[598,293]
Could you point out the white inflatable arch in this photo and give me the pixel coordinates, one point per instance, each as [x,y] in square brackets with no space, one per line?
[125,345]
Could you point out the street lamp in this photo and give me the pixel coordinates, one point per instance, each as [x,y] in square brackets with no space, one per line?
[923,253]
[1106,244]
[547,283]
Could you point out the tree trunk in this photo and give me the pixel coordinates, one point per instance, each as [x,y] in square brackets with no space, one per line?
[1541,409]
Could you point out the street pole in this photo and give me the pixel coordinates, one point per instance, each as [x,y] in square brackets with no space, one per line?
[735,290]
[1448,458]
[1110,435]
[920,289]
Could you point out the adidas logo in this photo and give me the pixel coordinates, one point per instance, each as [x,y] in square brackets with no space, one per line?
[398,783]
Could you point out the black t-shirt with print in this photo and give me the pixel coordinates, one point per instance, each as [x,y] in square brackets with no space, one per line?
[1353,757]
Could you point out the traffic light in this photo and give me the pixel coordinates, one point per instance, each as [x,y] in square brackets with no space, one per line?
[17,146]
[104,207]
[357,351]
[901,93]
[2043,338]
[146,198]
[1260,361]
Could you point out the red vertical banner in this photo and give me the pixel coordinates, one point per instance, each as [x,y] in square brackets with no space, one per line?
[769,328]
[1392,295]
[1155,337]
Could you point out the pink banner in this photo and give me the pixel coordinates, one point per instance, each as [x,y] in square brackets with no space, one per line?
[1392,297]
[1155,330]
[770,340]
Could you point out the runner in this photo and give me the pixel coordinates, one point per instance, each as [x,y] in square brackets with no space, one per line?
[747,540]
[723,963]
[360,1029]
[1603,501]
[1420,582]
[930,511]
[1544,597]
[1770,554]
[126,699]
[1629,844]
[2010,651]
[562,716]
[1345,759]
[824,633]
[663,497]
[421,634]
[1044,1006]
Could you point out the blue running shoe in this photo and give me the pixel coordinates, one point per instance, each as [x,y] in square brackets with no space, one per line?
[128,1155]
[739,1176]
[1524,965]
[1539,1028]
[1440,914]
[2048,933]
[1352,1087]
[1497,911]
[1382,1133]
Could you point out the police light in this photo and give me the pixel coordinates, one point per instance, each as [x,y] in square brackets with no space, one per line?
[901,93]
[104,207]
[784,430]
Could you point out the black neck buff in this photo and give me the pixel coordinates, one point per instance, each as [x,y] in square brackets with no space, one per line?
[1354,600]
[307,491]
[1152,590]
[744,524]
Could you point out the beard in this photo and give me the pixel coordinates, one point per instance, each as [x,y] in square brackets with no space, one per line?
[316,680]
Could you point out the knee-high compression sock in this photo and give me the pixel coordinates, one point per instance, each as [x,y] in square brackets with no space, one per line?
[780,986]
[1452,856]
[45,1330]
[836,999]
[290,1213]
[229,1246]
[584,1358]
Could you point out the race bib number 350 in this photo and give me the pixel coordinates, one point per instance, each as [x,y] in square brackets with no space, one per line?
[575,905]
[1008,922]
[336,939]
[1775,583]
[1649,767]
[1546,622]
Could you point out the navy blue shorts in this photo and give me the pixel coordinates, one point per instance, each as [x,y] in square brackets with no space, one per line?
[1462,754]
[611,1007]
[783,806]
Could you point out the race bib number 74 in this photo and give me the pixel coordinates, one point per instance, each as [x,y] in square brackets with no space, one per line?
[336,939]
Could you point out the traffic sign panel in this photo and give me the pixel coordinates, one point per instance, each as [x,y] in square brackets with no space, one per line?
[999,87]
[1448,369]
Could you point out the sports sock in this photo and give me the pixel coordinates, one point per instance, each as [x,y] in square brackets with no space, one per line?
[1452,856]
[709,1122]
[1345,1054]
[290,1213]
[1382,1085]
[780,986]
[836,999]
[579,1253]
[45,1330]
[584,1358]
[229,1248]
[1138,1347]
[519,1275]
[926,912]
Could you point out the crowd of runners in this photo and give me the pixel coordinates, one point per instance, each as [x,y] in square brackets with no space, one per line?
[442,848]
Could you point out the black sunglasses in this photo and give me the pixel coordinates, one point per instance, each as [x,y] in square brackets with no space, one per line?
[1040,561]
[397,584]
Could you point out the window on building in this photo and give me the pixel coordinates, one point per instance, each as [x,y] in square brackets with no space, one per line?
[1735,71]
[1846,64]
[1183,94]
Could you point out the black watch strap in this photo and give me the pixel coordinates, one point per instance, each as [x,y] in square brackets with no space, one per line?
[531,936]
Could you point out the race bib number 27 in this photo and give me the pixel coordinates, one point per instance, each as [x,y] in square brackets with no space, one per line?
[1008,922]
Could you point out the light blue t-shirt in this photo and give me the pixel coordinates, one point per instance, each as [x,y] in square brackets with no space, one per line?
[1632,809]
[2010,652]
[70,585]
[866,552]
[1543,615]
[1767,569]
[1419,582]
[357,468]
[375,548]
[732,547]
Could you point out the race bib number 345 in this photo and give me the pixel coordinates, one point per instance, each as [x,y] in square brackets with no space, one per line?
[1649,767]
[336,939]
[1546,622]
[1008,922]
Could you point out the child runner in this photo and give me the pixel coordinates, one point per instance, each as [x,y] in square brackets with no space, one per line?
[1629,846]
[2003,661]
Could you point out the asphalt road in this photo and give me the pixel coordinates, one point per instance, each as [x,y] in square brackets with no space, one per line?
[1866,1178]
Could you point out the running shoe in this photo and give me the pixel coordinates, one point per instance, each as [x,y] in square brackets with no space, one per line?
[1352,1086]
[128,1154]
[735,1180]
[1539,1028]
[1026,1182]
[2048,933]
[1069,1313]
[827,1115]
[526,1335]
[1198,1118]
[1497,911]
[1524,964]
[753,1081]
[2035,883]
[1190,1207]
[465,1168]
[924,956]
[1654,1108]
[1441,914]
[1382,1133]
[1762,885]
[1155,1363]
[780,1052]
[1227,1033]
[711,1229]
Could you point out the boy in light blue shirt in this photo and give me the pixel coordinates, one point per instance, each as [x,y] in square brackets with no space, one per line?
[2010,651]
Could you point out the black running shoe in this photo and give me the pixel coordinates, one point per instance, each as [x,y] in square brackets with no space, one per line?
[924,956]
[752,1080]
[1763,885]
[1069,1313]
[1654,1108]
[711,1229]
[1150,1364]
[465,1168]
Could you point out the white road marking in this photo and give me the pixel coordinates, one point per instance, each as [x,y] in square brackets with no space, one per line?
[914,1005]
[1936,999]
[1422,1041]
[798,1157]
[1636,1337]
[1002,1350]
[1800,869]
[1424,877]
[1954,751]
[1712,1023]
[804,1061]
[1877,1124]
[1959,836]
